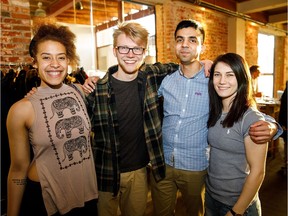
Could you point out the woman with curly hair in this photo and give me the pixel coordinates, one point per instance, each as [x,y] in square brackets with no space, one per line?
[61,178]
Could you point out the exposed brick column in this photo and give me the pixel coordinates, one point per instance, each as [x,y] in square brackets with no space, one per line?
[15,32]
[251,44]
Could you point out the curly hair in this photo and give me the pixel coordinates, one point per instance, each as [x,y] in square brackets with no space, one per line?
[61,34]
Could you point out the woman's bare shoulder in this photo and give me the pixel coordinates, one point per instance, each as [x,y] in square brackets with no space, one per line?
[22,111]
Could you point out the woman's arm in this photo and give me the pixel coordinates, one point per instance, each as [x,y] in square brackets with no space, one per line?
[256,158]
[19,119]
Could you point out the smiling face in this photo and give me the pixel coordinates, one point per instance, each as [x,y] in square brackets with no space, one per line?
[188,45]
[225,82]
[128,63]
[52,63]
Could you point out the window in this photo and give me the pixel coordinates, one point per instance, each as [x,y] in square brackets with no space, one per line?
[266,63]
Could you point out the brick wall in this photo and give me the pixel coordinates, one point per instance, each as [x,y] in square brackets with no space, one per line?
[15,32]
[171,13]
[215,24]
[251,43]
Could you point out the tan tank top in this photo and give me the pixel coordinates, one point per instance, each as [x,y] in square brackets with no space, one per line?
[60,138]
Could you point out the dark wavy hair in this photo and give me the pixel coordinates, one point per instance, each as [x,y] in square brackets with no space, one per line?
[61,34]
[243,99]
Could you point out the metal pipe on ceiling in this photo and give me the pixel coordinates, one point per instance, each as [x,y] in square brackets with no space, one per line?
[235,14]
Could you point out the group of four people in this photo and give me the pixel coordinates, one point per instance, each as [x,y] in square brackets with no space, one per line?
[125,119]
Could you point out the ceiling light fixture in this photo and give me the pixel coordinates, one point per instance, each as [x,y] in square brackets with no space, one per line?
[39,11]
[79,5]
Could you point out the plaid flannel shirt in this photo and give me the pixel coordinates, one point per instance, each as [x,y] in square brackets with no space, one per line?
[103,115]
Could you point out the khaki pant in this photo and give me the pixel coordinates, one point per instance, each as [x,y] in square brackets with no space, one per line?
[131,199]
[191,184]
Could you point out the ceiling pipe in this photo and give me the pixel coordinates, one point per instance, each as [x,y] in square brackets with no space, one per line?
[235,14]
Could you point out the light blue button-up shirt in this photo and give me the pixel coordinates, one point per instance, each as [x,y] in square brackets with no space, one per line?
[186,112]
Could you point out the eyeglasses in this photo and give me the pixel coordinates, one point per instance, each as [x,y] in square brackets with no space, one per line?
[126,50]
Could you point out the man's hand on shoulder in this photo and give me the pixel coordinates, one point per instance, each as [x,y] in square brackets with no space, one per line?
[207,66]
[31,92]
[89,84]
[262,132]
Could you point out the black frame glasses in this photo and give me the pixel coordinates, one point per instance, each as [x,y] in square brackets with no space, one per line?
[126,50]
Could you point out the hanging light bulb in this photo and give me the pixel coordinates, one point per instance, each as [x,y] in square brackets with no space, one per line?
[79,5]
[40,12]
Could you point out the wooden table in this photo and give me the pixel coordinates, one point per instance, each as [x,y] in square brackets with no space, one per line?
[269,106]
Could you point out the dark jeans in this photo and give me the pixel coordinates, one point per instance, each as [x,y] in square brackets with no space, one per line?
[216,208]
[33,203]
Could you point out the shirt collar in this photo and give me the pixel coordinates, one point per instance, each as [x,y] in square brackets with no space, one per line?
[196,75]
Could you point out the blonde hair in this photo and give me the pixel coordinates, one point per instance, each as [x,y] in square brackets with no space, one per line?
[133,30]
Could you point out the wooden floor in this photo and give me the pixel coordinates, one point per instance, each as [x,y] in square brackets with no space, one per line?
[273,193]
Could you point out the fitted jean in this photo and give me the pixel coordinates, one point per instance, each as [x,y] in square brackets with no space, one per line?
[216,208]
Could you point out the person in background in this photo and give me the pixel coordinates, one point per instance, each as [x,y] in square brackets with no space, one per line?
[255,73]
[20,85]
[186,111]
[32,79]
[2,74]
[283,122]
[61,178]
[80,75]
[237,164]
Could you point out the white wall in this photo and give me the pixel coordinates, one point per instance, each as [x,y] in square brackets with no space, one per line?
[84,45]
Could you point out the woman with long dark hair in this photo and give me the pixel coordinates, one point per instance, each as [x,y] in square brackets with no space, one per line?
[237,164]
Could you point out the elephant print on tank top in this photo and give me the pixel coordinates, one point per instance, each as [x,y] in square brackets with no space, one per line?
[59,105]
[79,144]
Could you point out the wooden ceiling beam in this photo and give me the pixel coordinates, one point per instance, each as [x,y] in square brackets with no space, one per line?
[278,18]
[59,7]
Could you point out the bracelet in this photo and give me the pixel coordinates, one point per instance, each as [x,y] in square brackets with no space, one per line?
[234,213]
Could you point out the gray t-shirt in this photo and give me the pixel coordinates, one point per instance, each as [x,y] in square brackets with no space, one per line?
[228,167]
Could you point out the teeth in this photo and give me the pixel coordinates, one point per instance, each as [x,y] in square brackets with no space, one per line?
[54,73]
[130,61]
